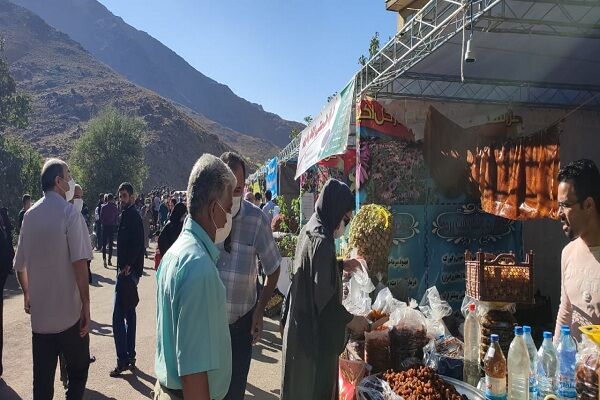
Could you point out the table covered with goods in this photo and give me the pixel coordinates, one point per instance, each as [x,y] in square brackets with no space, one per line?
[410,354]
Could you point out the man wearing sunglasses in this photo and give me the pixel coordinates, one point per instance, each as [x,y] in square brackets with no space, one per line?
[579,211]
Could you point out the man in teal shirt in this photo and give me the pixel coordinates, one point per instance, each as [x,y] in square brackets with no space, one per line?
[193,346]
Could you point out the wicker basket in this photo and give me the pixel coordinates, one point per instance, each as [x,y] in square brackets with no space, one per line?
[499,278]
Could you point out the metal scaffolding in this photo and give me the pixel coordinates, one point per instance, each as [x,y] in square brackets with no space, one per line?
[440,20]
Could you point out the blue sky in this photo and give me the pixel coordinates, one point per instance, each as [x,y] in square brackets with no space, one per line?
[287,55]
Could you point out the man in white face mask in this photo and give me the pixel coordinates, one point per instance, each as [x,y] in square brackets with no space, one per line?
[193,347]
[251,238]
[51,265]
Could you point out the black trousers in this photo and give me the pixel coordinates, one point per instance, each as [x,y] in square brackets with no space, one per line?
[76,352]
[3,277]
[108,235]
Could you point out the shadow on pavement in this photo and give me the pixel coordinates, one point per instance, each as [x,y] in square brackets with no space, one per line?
[259,394]
[137,379]
[93,395]
[100,329]
[257,354]
[98,279]
[12,288]
[6,392]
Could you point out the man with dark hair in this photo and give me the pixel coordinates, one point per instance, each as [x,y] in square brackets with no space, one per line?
[579,210]
[130,265]
[51,265]
[250,238]
[109,217]
[270,208]
[26,201]
[259,202]
[7,254]
[97,223]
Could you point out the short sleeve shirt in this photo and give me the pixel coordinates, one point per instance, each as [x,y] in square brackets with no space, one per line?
[251,237]
[53,236]
[192,333]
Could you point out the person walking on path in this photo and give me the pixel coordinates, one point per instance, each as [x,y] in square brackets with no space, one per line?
[26,201]
[7,254]
[172,229]
[251,238]
[97,223]
[270,207]
[315,320]
[193,346]
[130,265]
[147,220]
[109,217]
[53,249]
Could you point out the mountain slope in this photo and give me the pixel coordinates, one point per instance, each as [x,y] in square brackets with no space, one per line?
[69,86]
[147,62]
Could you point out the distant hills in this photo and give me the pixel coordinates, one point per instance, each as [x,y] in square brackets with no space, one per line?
[68,86]
[147,62]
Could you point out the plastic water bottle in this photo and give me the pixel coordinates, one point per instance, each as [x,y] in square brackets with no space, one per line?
[495,371]
[471,356]
[531,349]
[547,367]
[518,368]
[566,350]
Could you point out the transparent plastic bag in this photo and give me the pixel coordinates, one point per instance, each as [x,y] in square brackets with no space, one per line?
[408,336]
[587,370]
[386,303]
[351,373]
[377,350]
[435,309]
[358,301]
[375,388]
[445,355]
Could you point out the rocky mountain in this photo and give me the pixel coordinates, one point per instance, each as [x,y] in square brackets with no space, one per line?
[148,63]
[68,86]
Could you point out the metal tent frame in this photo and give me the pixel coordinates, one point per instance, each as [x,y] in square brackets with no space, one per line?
[391,73]
[388,72]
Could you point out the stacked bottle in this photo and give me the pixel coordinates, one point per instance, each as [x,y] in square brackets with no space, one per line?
[547,367]
[518,368]
[495,371]
[471,356]
[567,352]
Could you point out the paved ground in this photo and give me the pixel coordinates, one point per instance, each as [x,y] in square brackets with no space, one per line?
[263,381]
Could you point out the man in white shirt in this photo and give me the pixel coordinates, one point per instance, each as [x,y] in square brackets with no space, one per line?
[270,207]
[53,247]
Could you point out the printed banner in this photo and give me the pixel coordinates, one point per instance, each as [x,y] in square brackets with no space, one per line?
[327,134]
[272,176]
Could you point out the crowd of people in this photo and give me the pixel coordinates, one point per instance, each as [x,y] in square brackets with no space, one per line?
[210,306]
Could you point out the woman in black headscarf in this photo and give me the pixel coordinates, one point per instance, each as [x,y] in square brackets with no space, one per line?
[314,317]
[172,229]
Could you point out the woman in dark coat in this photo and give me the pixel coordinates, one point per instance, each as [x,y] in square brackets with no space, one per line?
[172,229]
[314,317]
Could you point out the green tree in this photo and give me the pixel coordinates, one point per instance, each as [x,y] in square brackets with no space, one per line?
[373,49]
[14,106]
[295,132]
[109,152]
[20,164]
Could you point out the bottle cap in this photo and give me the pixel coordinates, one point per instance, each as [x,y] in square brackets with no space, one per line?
[565,330]
[518,331]
[547,335]
[472,307]
[494,338]
[526,329]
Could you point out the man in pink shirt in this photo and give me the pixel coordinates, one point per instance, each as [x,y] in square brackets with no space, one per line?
[579,210]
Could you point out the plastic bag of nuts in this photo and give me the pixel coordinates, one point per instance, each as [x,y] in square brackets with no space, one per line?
[377,350]
[421,383]
[587,370]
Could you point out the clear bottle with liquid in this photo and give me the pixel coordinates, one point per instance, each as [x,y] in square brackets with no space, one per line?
[567,351]
[495,371]
[532,350]
[547,367]
[471,356]
[518,367]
